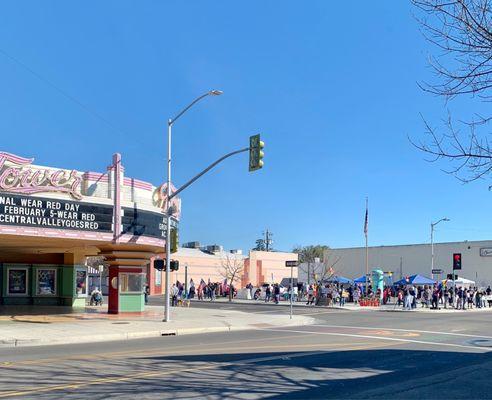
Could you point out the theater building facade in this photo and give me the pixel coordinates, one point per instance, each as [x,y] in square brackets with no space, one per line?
[51,219]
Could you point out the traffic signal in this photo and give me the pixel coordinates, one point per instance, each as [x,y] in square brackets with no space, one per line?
[255,153]
[452,277]
[159,265]
[174,265]
[174,240]
[456,261]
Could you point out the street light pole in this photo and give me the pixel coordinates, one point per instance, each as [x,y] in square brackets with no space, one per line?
[433,224]
[168,211]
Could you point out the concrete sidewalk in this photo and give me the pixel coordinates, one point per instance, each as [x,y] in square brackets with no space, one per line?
[55,325]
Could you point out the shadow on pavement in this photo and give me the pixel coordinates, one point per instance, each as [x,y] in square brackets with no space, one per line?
[391,373]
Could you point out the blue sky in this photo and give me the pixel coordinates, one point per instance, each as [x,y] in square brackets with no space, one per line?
[331,86]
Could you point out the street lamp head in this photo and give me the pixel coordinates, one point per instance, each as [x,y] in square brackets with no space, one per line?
[446,219]
[215,92]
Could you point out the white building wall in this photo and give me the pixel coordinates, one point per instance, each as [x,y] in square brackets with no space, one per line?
[416,259]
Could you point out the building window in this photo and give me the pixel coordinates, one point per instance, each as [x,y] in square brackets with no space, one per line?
[131,283]
[81,282]
[46,282]
[17,281]
[158,277]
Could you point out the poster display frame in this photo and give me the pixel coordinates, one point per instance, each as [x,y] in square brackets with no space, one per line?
[36,281]
[76,271]
[21,268]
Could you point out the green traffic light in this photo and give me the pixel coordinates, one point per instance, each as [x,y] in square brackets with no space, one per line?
[255,153]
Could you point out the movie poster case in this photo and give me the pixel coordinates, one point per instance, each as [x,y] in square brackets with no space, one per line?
[18,281]
[45,281]
[81,282]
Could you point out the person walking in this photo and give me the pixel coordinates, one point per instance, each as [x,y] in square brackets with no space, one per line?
[310,296]
[408,299]
[356,295]
[174,295]
[435,299]
[268,294]
[276,292]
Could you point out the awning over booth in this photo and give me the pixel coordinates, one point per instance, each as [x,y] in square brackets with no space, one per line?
[415,280]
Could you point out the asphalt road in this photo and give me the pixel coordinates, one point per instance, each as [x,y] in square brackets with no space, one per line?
[345,355]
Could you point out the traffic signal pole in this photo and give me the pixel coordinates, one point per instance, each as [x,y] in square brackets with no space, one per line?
[167,316]
[206,170]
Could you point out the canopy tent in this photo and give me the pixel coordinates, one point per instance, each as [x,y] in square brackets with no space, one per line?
[415,280]
[361,280]
[285,282]
[339,279]
[462,282]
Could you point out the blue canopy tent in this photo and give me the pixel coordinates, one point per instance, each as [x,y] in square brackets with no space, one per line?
[361,280]
[339,279]
[415,280]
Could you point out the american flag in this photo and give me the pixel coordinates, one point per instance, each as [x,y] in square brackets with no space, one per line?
[366,221]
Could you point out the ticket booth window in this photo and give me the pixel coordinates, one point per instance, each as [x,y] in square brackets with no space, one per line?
[17,281]
[131,283]
[46,282]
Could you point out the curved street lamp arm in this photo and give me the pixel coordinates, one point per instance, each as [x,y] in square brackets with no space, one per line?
[172,120]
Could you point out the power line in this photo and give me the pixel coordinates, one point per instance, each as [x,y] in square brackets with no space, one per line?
[61,91]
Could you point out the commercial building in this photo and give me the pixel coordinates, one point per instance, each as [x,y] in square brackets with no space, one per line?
[51,219]
[404,260]
[207,263]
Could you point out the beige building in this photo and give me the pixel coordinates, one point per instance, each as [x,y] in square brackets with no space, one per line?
[207,263]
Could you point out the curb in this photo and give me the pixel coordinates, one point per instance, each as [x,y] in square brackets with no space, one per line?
[12,343]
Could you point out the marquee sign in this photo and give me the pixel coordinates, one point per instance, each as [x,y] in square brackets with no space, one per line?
[19,179]
[53,213]
[17,176]
[143,223]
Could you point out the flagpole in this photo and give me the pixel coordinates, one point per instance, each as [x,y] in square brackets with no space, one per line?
[367,248]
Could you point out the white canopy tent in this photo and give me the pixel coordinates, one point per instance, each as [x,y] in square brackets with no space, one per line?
[463,282]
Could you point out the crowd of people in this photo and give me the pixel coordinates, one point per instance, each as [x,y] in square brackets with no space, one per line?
[327,294]
[407,296]
[203,291]
[435,296]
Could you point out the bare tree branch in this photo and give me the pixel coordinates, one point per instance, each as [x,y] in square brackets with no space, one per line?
[462,31]
[231,269]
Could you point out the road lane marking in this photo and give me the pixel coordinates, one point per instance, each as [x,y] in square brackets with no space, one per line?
[402,330]
[379,338]
[140,352]
[146,375]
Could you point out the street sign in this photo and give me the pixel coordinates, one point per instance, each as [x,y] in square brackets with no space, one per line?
[437,271]
[291,264]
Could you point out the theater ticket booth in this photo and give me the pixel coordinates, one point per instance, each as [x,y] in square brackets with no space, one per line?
[51,219]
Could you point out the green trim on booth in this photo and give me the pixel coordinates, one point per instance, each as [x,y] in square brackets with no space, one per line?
[134,302]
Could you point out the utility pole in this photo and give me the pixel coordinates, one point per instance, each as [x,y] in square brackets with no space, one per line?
[268,240]
[433,224]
